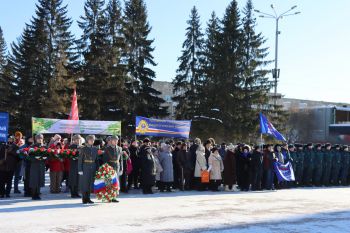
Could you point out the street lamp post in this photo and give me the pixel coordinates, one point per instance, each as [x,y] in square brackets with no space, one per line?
[276,17]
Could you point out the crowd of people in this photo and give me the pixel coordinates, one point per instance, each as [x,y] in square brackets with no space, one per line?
[168,165]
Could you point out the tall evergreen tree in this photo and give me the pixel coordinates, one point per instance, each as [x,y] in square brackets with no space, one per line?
[29,88]
[59,54]
[227,109]
[43,63]
[188,83]
[114,94]
[145,99]
[3,81]
[209,122]
[255,84]
[94,47]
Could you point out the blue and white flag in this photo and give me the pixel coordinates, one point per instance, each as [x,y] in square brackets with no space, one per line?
[4,126]
[284,172]
[267,127]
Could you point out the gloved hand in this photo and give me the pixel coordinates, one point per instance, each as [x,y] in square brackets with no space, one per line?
[80,173]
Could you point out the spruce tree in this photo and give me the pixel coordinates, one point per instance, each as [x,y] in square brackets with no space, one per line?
[188,83]
[255,85]
[209,122]
[28,87]
[59,55]
[3,81]
[229,95]
[114,92]
[94,47]
[145,100]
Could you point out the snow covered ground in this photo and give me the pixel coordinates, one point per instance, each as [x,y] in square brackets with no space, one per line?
[295,210]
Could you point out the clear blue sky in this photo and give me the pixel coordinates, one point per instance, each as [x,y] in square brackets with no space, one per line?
[314,46]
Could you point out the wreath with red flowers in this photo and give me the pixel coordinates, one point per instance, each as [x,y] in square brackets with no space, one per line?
[106,185]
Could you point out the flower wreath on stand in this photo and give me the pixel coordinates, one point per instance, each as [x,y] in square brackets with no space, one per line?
[106,185]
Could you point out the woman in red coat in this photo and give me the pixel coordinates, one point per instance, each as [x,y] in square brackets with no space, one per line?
[56,169]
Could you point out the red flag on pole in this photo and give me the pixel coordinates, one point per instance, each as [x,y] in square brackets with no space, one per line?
[74,113]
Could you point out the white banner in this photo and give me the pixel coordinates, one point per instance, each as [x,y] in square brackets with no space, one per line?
[52,126]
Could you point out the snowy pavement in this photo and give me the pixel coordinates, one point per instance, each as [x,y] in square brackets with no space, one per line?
[295,210]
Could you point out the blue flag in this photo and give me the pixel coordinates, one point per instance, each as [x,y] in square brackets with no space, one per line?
[4,126]
[267,127]
[284,172]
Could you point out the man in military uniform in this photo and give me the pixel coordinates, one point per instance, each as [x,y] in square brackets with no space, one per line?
[87,163]
[318,166]
[37,170]
[345,165]
[300,165]
[73,177]
[336,163]
[113,156]
[327,164]
[308,164]
[293,159]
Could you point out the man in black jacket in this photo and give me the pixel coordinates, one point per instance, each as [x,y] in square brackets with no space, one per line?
[148,167]
[8,163]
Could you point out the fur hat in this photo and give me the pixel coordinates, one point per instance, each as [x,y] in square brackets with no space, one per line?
[90,137]
[76,137]
[39,136]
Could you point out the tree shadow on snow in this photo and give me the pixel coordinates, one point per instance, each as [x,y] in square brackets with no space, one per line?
[42,207]
[324,222]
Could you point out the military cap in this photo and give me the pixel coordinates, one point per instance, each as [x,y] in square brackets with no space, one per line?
[146,140]
[114,138]
[290,146]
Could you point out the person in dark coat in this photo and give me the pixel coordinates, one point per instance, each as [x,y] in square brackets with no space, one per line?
[318,167]
[256,168]
[230,178]
[133,178]
[269,159]
[27,190]
[73,177]
[148,167]
[37,170]
[176,169]
[336,164]
[344,171]
[294,160]
[184,161]
[124,161]
[327,164]
[308,164]
[8,163]
[299,176]
[87,163]
[244,158]
[193,155]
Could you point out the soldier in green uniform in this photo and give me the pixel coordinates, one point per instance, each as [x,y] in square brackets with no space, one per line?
[293,159]
[327,164]
[344,172]
[73,176]
[318,165]
[336,163]
[113,156]
[308,164]
[299,164]
[87,163]
[37,170]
